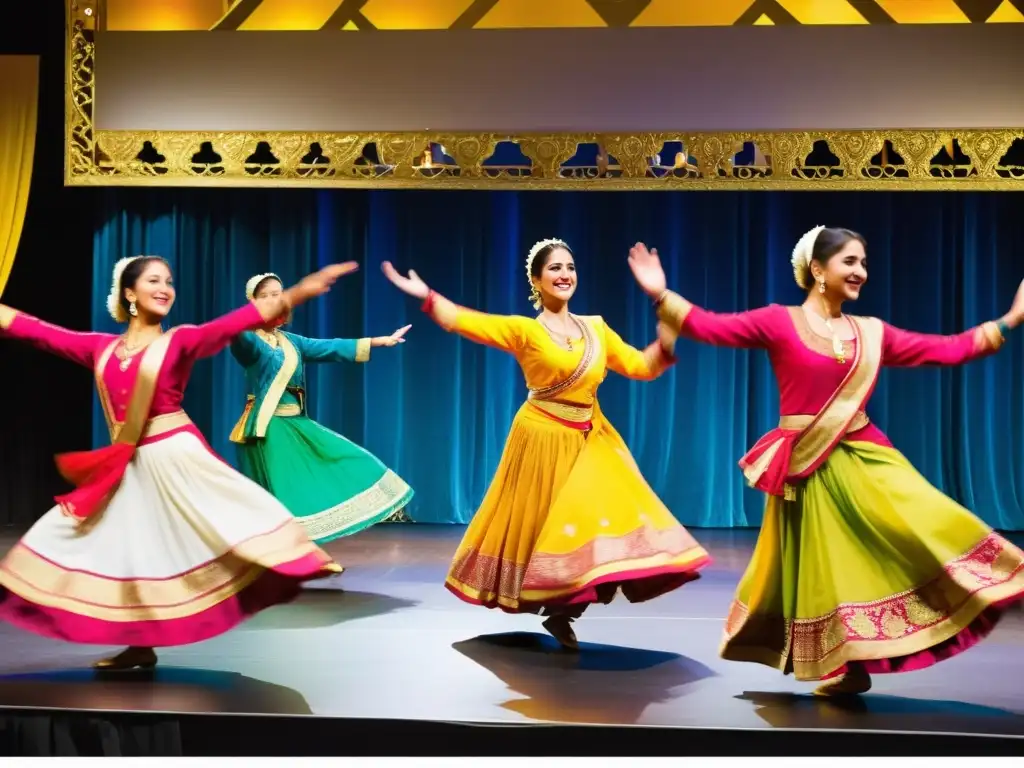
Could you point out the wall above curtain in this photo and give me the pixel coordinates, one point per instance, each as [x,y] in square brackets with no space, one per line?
[437,408]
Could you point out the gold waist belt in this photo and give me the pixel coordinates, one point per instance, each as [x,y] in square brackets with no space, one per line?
[577,414]
[168,422]
[801,421]
[288,409]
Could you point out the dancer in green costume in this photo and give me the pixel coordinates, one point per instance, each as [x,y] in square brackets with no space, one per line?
[334,487]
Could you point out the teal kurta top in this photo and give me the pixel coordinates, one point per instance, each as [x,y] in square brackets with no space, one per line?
[275,373]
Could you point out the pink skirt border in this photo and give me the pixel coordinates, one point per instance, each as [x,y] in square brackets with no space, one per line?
[964,640]
[637,586]
[273,587]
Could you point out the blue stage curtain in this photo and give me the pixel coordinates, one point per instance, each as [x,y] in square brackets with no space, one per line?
[437,409]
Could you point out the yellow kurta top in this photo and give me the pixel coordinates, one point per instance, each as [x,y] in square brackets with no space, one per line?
[568,516]
[548,367]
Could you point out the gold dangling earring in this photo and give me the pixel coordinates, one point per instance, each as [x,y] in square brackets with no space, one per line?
[132,310]
[821,287]
[535,297]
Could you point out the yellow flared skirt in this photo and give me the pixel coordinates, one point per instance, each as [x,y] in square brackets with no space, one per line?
[869,564]
[569,519]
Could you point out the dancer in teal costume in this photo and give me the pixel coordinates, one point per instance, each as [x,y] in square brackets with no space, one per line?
[333,487]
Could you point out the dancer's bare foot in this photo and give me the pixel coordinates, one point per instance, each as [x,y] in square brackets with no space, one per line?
[560,628]
[129,658]
[853,682]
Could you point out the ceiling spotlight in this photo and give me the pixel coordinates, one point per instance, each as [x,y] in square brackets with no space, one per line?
[88,11]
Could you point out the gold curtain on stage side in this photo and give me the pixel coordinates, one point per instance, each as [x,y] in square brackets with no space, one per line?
[19,107]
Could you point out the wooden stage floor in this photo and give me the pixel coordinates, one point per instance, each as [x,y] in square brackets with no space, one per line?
[386,640]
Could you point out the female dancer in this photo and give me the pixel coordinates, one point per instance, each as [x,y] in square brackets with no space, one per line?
[161,543]
[568,519]
[331,485]
[861,566]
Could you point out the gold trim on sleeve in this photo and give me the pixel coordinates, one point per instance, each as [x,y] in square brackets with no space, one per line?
[363,347]
[673,310]
[992,335]
[7,316]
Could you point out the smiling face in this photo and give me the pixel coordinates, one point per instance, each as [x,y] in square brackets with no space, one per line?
[554,274]
[844,272]
[152,291]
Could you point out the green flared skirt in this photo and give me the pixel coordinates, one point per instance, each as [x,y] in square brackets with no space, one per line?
[332,486]
[869,564]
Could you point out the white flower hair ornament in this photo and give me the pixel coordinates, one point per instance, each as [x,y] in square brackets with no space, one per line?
[539,246]
[802,257]
[114,299]
[254,283]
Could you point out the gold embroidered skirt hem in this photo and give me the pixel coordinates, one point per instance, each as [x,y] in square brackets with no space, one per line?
[869,564]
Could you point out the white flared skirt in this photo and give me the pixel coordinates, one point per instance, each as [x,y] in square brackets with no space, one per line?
[185,549]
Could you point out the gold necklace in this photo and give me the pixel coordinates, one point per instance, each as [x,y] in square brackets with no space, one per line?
[126,353]
[550,330]
[837,344]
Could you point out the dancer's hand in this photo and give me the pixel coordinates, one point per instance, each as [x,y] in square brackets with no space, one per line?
[392,340]
[1016,314]
[411,285]
[647,270]
[309,287]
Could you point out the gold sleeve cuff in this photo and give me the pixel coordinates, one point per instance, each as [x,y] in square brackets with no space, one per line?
[443,311]
[362,350]
[673,310]
[992,335]
[7,316]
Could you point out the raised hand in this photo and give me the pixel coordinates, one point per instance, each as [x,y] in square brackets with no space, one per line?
[393,339]
[1016,314]
[411,285]
[647,270]
[319,283]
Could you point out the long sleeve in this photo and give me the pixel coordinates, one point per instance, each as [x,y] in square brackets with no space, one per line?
[628,361]
[244,349]
[210,338]
[332,350]
[80,348]
[744,330]
[506,332]
[902,348]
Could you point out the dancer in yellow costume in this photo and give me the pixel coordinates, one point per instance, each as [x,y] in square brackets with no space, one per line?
[568,519]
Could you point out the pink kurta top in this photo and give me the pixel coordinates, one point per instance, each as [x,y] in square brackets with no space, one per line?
[97,474]
[189,343]
[803,362]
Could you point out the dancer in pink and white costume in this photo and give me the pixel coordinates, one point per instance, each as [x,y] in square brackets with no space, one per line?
[161,543]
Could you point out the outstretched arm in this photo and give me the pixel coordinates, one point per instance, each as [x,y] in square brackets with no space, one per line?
[906,348]
[508,333]
[80,348]
[210,338]
[646,365]
[745,330]
[332,350]
[742,329]
[902,348]
[505,332]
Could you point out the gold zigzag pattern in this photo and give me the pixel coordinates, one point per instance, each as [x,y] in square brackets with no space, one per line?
[275,15]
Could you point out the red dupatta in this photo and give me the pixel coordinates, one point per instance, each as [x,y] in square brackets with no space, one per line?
[97,473]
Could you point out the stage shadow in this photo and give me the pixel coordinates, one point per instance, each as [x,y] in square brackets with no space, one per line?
[602,684]
[882,712]
[319,608]
[164,689]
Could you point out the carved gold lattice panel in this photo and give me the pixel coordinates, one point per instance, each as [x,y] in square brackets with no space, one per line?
[975,159]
